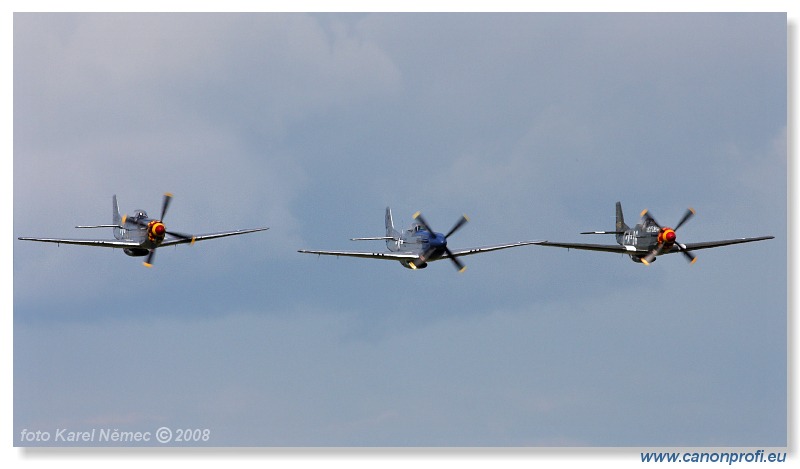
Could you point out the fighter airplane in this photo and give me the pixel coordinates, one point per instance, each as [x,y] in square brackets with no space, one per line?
[647,240]
[416,247]
[138,235]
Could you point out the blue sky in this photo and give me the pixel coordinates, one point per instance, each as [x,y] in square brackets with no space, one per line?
[534,125]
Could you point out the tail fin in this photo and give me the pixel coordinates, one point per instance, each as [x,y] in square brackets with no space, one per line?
[116,217]
[620,226]
[390,231]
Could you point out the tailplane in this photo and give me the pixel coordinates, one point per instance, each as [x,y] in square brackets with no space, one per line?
[116,219]
[392,236]
[619,228]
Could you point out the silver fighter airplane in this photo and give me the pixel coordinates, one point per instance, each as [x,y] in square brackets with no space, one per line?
[417,246]
[139,235]
[647,240]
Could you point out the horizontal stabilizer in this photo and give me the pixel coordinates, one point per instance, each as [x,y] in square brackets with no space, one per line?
[98,226]
[375,238]
[603,232]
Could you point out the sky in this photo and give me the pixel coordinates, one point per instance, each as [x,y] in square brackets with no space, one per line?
[533,125]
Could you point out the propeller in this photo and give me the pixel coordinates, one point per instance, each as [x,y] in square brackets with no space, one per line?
[165,205]
[438,242]
[667,236]
[149,262]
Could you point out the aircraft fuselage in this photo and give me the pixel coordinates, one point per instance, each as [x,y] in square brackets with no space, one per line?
[148,233]
[646,237]
[417,240]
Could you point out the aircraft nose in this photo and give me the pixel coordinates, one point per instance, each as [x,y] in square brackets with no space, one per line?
[670,235]
[437,240]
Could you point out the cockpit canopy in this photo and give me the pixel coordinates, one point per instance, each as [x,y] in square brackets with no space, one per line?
[141,214]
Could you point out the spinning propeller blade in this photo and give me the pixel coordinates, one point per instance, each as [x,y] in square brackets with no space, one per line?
[191,238]
[149,262]
[418,216]
[167,199]
[646,215]
[686,216]
[461,222]
[164,207]
[461,267]
[689,256]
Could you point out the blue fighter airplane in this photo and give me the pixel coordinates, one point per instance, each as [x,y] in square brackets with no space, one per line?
[138,235]
[416,247]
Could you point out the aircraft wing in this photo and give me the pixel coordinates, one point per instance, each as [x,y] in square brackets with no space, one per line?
[119,244]
[390,256]
[716,244]
[202,237]
[630,249]
[594,247]
[478,250]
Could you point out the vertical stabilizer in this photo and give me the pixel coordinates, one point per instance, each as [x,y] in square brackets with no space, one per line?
[116,218]
[390,231]
[620,226]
